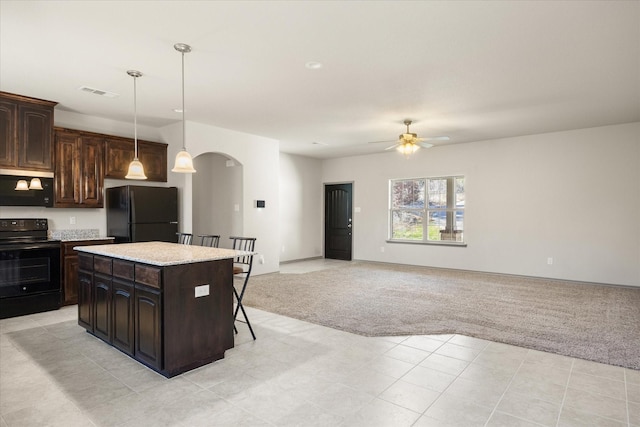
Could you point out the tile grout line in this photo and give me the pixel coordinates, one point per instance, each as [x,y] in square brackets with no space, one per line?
[626,397]
[445,389]
[495,408]
[456,376]
[566,390]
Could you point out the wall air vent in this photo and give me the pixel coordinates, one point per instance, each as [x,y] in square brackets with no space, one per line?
[98,92]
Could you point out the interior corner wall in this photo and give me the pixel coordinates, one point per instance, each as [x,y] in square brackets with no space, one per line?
[300,207]
[572,196]
[259,157]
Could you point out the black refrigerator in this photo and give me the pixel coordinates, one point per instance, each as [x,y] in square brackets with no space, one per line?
[142,214]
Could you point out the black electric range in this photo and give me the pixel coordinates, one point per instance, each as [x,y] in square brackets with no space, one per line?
[29,267]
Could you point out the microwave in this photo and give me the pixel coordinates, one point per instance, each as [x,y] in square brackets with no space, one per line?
[9,196]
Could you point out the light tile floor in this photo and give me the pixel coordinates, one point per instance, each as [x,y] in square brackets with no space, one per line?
[300,374]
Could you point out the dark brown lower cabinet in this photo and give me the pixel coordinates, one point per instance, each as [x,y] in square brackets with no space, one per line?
[70,268]
[147,330]
[85,298]
[102,306]
[160,316]
[123,324]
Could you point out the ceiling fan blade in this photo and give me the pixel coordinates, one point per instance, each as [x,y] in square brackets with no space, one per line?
[378,142]
[436,138]
[393,146]
[425,144]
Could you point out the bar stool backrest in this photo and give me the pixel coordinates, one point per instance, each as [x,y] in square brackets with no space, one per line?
[185,238]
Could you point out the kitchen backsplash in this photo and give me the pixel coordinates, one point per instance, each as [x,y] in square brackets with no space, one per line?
[75,234]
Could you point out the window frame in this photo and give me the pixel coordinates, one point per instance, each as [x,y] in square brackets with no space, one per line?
[449,211]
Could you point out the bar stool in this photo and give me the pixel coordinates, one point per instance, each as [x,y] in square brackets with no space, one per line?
[211,240]
[242,269]
[184,238]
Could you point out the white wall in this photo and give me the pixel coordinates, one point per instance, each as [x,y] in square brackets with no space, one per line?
[217,190]
[573,196]
[259,158]
[300,207]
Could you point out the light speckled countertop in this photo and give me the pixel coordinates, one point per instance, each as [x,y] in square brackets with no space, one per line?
[162,253]
[76,235]
[80,239]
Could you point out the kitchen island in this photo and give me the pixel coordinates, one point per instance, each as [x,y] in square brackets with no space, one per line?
[166,305]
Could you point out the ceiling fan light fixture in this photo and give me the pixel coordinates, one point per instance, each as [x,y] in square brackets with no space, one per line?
[136,170]
[184,162]
[408,148]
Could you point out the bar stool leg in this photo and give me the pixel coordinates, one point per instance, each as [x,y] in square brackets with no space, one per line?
[239,306]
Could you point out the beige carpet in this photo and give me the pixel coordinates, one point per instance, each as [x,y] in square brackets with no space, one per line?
[593,322]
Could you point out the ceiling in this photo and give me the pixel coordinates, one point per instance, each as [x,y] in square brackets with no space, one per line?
[470,70]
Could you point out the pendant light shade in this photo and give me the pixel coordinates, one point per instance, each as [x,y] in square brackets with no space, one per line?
[136,170]
[184,162]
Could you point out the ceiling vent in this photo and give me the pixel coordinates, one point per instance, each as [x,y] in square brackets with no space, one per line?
[98,92]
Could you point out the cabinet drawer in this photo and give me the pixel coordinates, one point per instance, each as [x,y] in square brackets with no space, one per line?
[150,276]
[123,269]
[85,262]
[102,265]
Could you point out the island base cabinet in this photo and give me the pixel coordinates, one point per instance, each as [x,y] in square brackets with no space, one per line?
[148,340]
[190,342]
[85,297]
[102,307]
[173,318]
[123,323]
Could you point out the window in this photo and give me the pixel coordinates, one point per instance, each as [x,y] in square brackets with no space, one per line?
[427,209]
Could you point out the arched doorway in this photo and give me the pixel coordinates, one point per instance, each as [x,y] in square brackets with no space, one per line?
[217,197]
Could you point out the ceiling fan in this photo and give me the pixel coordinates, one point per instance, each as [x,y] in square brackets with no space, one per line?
[408,143]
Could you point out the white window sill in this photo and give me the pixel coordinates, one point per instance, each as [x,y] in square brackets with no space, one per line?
[430,243]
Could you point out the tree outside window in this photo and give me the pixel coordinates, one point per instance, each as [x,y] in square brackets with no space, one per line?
[427,209]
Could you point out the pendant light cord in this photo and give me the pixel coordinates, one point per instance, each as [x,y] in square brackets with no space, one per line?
[135,119]
[184,133]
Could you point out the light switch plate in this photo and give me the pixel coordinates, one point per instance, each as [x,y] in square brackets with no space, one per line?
[202,291]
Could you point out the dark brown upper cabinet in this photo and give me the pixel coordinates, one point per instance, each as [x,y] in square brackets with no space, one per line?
[119,153]
[79,173]
[26,133]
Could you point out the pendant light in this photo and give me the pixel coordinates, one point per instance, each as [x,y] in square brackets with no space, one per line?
[184,162]
[136,170]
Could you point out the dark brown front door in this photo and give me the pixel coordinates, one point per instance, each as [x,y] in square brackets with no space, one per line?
[337,221]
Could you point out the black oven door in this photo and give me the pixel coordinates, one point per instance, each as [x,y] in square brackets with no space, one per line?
[29,269]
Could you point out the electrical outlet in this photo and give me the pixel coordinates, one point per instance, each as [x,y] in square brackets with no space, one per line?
[261,259]
[550,261]
[202,291]
[381,248]
[72,220]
